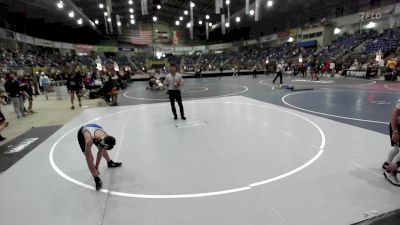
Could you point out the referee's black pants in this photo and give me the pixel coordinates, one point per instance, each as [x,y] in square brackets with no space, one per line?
[278,74]
[176,95]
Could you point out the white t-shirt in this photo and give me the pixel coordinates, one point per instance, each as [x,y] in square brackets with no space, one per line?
[279,68]
[171,81]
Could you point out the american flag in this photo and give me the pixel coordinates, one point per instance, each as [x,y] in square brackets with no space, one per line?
[142,36]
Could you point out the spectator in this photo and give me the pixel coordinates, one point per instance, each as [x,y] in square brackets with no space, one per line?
[44,83]
[27,93]
[12,86]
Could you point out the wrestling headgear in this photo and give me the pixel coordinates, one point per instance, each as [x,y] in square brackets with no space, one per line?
[107,142]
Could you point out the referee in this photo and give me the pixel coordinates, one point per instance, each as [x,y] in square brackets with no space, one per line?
[174,81]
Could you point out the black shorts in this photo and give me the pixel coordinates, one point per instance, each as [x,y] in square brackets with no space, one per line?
[391,134]
[81,140]
[2,118]
[74,89]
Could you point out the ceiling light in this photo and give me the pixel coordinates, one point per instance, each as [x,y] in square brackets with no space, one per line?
[177,22]
[101,5]
[80,21]
[207,17]
[227,24]
[132,16]
[200,22]
[251,12]
[109,19]
[185,12]
[130,2]
[181,18]
[290,39]
[270,3]
[192,5]
[370,25]
[154,18]
[237,19]
[188,25]
[106,13]
[228,2]
[210,24]
[60,4]
[132,21]
[158,6]
[118,23]
[71,14]
[96,21]
[131,10]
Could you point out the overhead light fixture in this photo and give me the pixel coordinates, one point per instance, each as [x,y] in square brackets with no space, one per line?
[131,10]
[188,25]
[109,19]
[132,21]
[71,14]
[237,19]
[337,31]
[96,22]
[181,18]
[290,39]
[200,22]
[251,12]
[177,22]
[118,23]
[101,5]
[227,24]
[270,3]
[80,21]
[192,5]
[132,16]
[106,13]
[130,2]
[370,25]
[158,6]
[185,12]
[154,18]
[207,17]
[228,2]
[60,4]
[210,24]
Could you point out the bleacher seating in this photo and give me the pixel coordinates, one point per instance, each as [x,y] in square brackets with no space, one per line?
[386,42]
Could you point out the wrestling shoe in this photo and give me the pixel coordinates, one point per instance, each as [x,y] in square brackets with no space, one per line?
[112,164]
[384,166]
[392,178]
[98,182]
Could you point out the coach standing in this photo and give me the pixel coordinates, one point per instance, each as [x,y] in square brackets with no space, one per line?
[174,82]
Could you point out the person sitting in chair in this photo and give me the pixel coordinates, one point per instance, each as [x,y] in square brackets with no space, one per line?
[109,91]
